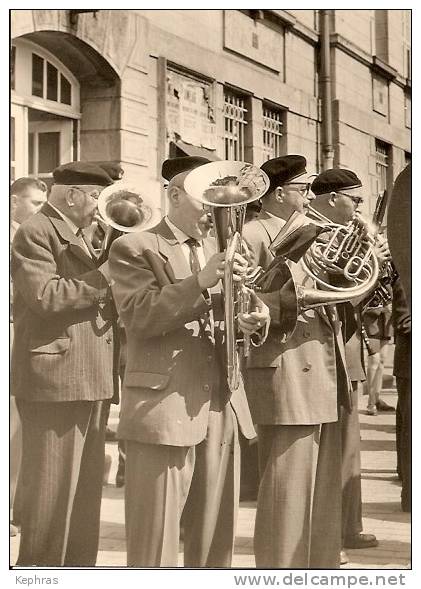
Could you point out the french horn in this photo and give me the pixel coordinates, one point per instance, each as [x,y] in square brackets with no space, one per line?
[225,187]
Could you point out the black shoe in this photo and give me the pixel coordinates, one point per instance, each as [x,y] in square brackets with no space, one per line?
[382,406]
[119,480]
[110,435]
[361,541]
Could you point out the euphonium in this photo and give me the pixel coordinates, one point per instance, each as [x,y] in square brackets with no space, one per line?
[343,254]
[226,187]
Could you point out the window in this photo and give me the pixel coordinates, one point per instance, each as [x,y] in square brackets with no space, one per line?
[382,159]
[47,83]
[408,113]
[406,45]
[272,132]
[380,96]
[12,149]
[13,68]
[235,118]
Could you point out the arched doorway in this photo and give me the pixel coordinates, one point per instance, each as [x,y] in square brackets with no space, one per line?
[60,88]
[45,111]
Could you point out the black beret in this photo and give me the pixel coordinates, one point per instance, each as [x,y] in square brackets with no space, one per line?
[177,165]
[284,169]
[81,173]
[333,180]
[113,169]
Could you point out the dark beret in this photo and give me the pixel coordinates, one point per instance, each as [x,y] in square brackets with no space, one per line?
[81,173]
[177,165]
[333,180]
[113,169]
[284,169]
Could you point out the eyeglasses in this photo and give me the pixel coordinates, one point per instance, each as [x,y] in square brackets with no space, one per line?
[357,200]
[304,189]
[92,193]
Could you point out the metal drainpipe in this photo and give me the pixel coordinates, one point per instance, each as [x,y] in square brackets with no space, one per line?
[326,92]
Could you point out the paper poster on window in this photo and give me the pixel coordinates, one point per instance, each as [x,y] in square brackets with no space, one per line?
[190,113]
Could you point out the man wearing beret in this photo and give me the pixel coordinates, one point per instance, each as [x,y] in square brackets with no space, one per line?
[62,371]
[338,197]
[294,388]
[178,418]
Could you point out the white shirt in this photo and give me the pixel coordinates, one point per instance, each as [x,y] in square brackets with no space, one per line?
[182,237]
[73,228]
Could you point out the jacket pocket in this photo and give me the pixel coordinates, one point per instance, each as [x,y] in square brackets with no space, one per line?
[57,346]
[148,380]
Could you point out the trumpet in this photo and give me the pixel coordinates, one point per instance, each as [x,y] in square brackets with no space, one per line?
[226,187]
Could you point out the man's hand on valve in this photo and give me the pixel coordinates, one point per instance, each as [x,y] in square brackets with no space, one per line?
[256,318]
[381,250]
[214,270]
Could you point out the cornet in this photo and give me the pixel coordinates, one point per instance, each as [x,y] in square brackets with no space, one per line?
[226,187]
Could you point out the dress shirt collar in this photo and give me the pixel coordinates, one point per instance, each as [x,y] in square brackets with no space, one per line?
[180,236]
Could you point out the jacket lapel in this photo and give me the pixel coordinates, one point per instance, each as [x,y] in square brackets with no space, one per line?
[177,266]
[66,234]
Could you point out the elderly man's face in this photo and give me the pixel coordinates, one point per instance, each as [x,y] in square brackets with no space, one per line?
[85,204]
[347,202]
[27,204]
[297,194]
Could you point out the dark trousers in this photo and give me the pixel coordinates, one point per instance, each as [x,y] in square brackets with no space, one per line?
[298,518]
[62,470]
[404,438]
[351,469]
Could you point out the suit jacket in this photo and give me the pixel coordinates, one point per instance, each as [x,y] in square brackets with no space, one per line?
[63,315]
[174,372]
[303,377]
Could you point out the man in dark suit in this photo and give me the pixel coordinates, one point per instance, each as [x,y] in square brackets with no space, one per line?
[338,197]
[178,418]
[294,388]
[62,371]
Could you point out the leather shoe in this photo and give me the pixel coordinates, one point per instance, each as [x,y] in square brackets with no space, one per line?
[361,541]
[344,559]
[382,406]
[119,480]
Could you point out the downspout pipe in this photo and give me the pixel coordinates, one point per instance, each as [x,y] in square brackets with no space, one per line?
[326,91]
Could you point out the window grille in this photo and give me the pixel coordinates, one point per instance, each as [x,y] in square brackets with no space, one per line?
[235,117]
[382,150]
[272,132]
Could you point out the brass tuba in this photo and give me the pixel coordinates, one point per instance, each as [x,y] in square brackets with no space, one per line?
[225,187]
[122,207]
[341,262]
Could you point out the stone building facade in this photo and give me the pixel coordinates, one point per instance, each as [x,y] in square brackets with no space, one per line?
[138,85]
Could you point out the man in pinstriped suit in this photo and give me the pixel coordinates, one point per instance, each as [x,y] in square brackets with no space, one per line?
[62,371]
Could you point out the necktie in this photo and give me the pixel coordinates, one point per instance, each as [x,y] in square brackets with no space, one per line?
[84,242]
[195,268]
[193,255]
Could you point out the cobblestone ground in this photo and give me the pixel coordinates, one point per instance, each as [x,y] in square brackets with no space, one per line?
[381,509]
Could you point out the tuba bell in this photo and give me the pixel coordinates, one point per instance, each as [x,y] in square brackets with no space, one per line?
[340,260]
[122,207]
[225,187]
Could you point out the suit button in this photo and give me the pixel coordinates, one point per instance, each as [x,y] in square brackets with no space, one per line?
[108,340]
[210,358]
[307,367]
[206,387]
[306,334]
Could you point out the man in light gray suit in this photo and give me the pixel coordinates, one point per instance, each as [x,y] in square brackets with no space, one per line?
[294,389]
[178,417]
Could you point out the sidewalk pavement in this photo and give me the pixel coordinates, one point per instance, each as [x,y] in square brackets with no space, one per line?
[381,504]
